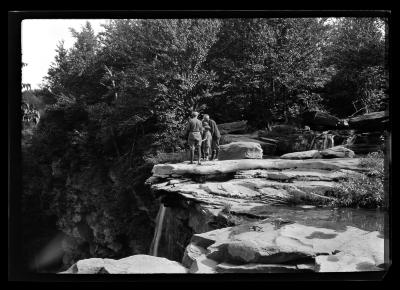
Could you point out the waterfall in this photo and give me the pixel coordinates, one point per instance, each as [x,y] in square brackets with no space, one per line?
[328,142]
[332,140]
[157,231]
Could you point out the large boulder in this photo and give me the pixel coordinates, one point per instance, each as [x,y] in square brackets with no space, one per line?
[240,150]
[337,152]
[137,264]
[268,146]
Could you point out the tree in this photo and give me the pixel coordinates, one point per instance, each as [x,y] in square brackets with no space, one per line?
[357,52]
[268,63]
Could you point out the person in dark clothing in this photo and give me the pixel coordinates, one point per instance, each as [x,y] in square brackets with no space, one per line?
[216,136]
[194,132]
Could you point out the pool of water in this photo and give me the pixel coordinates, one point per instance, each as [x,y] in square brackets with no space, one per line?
[333,218]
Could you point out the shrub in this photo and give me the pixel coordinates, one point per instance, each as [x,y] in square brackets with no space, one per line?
[363,190]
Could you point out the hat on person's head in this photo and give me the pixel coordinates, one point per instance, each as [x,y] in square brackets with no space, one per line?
[194,114]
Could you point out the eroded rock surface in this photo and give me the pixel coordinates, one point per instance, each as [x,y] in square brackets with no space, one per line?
[240,216]
[268,247]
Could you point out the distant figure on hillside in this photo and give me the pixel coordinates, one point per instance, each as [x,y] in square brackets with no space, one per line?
[193,132]
[216,136]
[206,142]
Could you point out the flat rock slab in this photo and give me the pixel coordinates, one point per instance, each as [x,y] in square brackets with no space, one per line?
[137,264]
[266,247]
[229,166]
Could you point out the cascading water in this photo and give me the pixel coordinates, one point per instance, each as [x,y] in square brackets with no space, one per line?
[322,141]
[157,231]
[328,141]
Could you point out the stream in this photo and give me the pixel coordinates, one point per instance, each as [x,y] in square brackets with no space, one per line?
[333,218]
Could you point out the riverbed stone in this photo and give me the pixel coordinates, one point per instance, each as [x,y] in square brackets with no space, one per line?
[240,150]
[137,264]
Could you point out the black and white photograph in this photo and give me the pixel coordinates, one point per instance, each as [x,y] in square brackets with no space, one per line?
[202,145]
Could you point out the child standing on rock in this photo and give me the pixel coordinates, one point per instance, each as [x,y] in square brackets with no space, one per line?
[206,140]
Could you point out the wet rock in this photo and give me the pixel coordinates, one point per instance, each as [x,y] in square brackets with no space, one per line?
[240,150]
[137,264]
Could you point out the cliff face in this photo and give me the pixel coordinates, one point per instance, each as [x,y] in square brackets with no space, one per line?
[219,217]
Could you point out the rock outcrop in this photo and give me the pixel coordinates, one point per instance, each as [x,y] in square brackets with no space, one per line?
[137,264]
[217,194]
[278,246]
[240,150]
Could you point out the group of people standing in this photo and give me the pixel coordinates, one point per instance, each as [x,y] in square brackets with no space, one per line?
[203,135]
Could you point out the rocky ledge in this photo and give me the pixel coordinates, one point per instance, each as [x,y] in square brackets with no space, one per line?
[212,197]
[246,183]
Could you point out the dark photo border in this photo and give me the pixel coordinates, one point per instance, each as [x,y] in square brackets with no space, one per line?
[16,273]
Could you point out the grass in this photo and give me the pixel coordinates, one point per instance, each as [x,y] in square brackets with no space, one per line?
[366,190]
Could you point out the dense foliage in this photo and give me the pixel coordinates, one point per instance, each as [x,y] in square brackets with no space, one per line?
[115,101]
